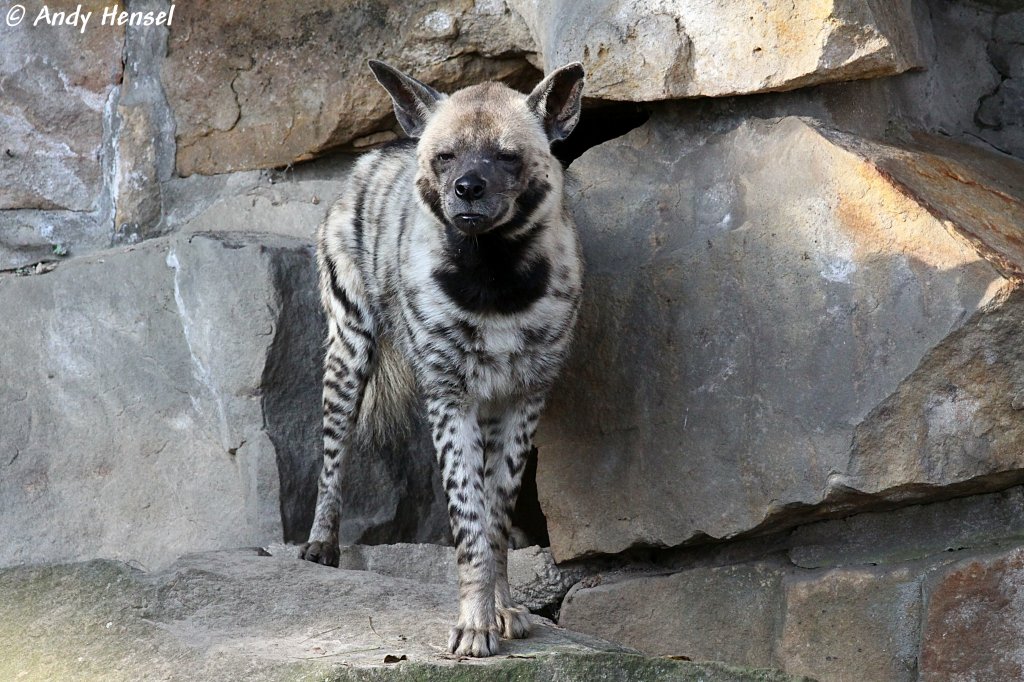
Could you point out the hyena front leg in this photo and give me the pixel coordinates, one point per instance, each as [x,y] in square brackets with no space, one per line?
[459,447]
[347,367]
[509,438]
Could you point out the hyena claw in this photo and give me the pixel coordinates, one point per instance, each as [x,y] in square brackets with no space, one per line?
[324,553]
[471,642]
[513,622]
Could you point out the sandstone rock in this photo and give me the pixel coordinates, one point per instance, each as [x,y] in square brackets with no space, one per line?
[782,322]
[56,83]
[233,615]
[723,614]
[854,624]
[973,627]
[660,50]
[285,82]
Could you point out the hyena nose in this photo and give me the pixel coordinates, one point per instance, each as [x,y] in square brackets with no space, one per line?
[470,186]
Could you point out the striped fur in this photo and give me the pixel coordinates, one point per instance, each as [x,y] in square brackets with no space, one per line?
[472,302]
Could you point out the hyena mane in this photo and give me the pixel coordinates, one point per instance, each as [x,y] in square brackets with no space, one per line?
[451,275]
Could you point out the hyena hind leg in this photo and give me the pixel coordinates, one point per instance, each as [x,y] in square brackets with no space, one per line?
[509,439]
[347,367]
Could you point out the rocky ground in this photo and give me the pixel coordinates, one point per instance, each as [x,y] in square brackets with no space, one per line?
[244,614]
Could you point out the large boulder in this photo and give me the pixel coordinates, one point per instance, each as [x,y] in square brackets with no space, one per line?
[781,321]
[165,398]
[138,381]
[652,50]
[257,86]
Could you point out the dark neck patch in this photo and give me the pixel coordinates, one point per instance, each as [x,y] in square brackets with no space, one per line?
[491,273]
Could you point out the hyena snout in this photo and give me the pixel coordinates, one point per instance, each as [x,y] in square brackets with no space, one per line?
[470,187]
[475,200]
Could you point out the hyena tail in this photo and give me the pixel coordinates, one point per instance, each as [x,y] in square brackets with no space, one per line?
[389,402]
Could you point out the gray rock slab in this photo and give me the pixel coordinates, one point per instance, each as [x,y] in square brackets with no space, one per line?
[536,581]
[974,523]
[781,322]
[655,50]
[852,624]
[56,83]
[723,613]
[135,383]
[165,398]
[235,615]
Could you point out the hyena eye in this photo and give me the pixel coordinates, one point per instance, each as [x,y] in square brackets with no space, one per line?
[445,156]
[509,157]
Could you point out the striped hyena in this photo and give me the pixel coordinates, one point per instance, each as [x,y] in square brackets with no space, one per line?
[452,267]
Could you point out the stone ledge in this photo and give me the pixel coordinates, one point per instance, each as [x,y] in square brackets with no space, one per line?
[237,615]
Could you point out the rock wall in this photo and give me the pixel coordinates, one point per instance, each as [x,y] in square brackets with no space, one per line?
[790,434]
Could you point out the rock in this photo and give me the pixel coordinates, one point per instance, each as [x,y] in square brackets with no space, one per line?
[56,84]
[723,613]
[852,624]
[144,135]
[956,94]
[972,626]
[234,615]
[658,50]
[536,582]
[138,382]
[166,398]
[782,322]
[967,523]
[287,82]
[291,202]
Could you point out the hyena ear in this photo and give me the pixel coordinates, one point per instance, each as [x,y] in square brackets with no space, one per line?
[413,100]
[557,100]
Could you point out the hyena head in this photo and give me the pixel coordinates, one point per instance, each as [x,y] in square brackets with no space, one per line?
[484,152]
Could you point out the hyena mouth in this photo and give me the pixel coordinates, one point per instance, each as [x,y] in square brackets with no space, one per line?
[473,223]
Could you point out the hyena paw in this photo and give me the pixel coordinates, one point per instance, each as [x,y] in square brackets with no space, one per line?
[467,641]
[513,622]
[326,553]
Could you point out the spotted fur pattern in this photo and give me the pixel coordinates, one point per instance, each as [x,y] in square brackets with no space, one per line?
[478,323]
